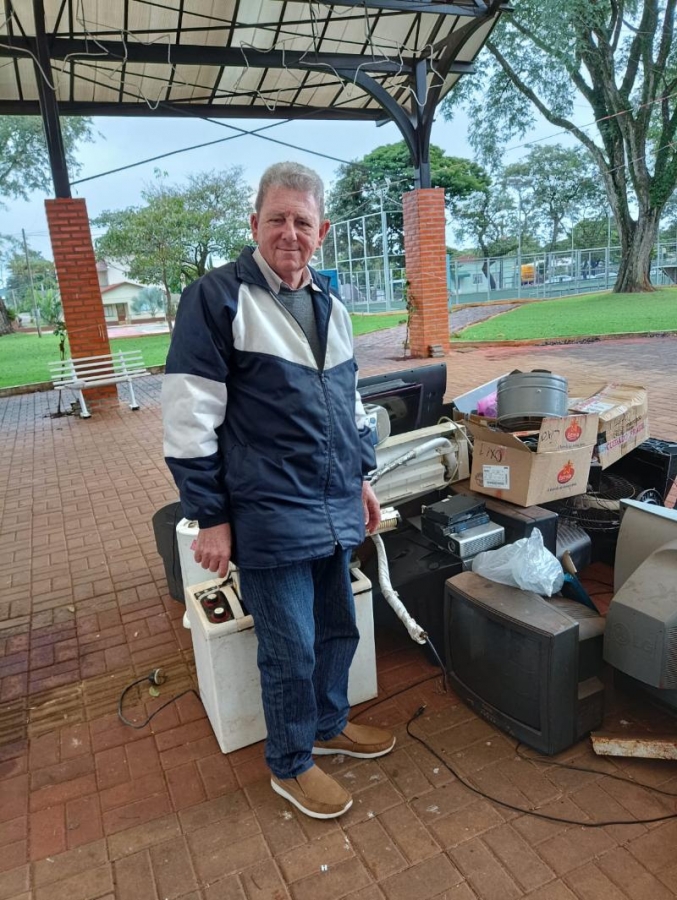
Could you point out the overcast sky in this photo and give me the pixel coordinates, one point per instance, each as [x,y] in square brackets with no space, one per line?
[120,141]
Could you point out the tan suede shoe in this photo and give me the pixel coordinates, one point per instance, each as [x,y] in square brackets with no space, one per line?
[362,741]
[315,793]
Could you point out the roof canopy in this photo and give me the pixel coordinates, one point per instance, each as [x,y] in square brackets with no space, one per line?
[355,59]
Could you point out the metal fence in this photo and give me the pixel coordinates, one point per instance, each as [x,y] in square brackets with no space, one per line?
[370,276]
[366,272]
[546,275]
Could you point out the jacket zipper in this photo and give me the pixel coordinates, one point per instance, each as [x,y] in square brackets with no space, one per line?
[323,382]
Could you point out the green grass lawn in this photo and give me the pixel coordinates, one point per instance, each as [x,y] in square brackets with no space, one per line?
[589,314]
[24,357]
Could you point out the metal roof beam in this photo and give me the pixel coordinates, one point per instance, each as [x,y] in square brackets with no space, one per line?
[48,106]
[187,54]
[413,6]
[207,110]
[196,55]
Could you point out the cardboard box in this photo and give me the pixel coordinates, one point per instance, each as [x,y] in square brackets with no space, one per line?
[623,412]
[558,466]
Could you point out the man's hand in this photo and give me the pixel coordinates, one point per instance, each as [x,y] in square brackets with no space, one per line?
[372,508]
[213,549]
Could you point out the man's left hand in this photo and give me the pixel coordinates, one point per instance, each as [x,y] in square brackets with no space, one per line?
[372,508]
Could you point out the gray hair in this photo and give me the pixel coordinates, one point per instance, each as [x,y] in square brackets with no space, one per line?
[295,177]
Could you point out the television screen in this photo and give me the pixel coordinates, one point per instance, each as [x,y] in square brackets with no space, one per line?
[485,673]
[516,659]
[412,397]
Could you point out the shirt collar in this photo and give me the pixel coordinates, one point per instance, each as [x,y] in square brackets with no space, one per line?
[275,283]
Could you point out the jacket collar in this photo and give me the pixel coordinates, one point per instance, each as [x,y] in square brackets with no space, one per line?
[247,270]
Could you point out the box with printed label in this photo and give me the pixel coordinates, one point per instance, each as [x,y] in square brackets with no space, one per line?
[623,412]
[550,464]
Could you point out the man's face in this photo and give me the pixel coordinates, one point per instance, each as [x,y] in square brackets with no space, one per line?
[288,231]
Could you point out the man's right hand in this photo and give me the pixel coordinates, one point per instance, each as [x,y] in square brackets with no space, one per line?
[213,548]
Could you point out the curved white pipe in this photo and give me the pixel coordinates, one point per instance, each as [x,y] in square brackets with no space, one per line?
[439,443]
[416,633]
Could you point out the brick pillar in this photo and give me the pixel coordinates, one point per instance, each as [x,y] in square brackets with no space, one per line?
[80,291]
[425,250]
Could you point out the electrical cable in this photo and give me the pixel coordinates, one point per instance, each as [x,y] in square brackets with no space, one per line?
[149,159]
[156,677]
[590,771]
[526,811]
[409,687]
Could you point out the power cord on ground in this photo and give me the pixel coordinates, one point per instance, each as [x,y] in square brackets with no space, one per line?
[525,810]
[554,763]
[156,677]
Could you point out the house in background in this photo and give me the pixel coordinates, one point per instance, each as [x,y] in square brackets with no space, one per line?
[118,294]
[117,302]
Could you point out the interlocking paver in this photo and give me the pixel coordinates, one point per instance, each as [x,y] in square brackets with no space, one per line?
[217,852]
[487,877]
[408,832]
[47,832]
[87,885]
[14,882]
[656,849]
[310,858]
[337,881]
[465,824]
[631,876]
[138,813]
[134,877]
[263,881]
[173,870]
[140,837]
[517,856]
[377,849]
[423,881]
[69,864]
[590,883]
[85,609]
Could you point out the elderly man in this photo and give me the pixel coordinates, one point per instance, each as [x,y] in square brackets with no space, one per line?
[265,437]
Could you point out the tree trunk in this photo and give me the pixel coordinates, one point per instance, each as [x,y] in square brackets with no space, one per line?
[488,274]
[5,324]
[637,247]
[169,310]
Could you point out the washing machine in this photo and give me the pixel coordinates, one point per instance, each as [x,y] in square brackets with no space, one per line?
[225,648]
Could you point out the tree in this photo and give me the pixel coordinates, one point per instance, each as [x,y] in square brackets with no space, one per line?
[149,239]
[620,57]
[175,236]
[49,306]
[20,287]
[383,175]
[24,161]
[217,204]
[149,299]
[494,222]
[562,184]
[5,319]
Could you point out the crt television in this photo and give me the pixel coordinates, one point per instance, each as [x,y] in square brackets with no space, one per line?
[641,633]
[413,397]
[528,665]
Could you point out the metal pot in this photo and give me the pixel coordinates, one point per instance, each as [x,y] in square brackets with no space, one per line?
[524,396]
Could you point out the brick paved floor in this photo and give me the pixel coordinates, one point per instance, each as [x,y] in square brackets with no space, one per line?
[93,810]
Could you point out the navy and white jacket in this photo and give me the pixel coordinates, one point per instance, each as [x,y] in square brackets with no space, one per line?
[256,434]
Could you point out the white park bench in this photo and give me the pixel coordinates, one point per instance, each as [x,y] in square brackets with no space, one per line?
[96,371]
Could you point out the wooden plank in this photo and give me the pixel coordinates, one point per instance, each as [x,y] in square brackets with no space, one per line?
[641,744]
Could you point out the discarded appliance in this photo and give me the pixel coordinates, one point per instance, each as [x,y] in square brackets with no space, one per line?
[225,648]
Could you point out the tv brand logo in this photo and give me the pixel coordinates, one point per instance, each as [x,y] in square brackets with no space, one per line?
[566,473]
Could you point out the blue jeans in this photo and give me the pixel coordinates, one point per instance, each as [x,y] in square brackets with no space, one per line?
[304,617]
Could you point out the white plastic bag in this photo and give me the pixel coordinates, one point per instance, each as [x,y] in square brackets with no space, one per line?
[526,564]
